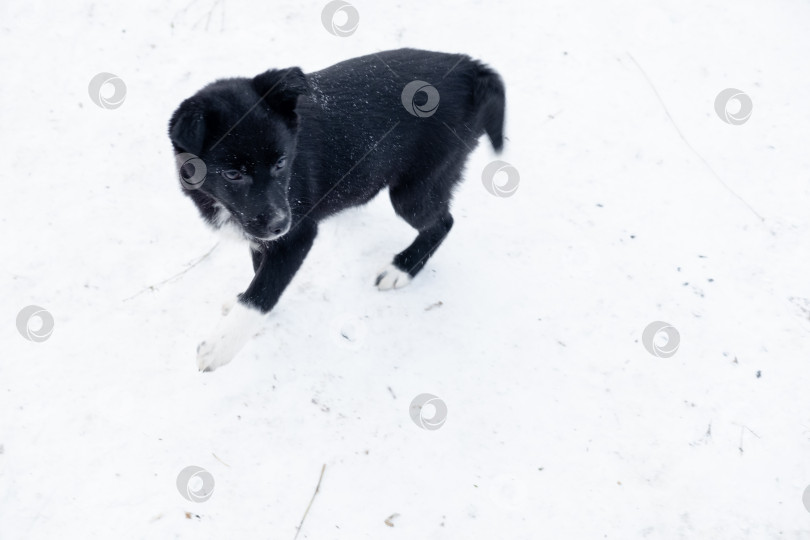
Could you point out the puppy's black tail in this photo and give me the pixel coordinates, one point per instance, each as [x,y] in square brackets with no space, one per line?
[489,98]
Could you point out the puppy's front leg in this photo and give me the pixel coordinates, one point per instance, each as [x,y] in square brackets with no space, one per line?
[280,260]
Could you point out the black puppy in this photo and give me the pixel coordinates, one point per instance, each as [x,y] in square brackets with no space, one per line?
[275,154]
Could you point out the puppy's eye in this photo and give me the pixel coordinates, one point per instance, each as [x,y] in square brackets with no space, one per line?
[281,163]
[232,174]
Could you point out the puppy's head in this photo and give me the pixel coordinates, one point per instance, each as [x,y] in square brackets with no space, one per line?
[235,142]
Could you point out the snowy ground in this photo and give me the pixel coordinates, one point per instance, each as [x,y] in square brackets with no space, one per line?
[636,204]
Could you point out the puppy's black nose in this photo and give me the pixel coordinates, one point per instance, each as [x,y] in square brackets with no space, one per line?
[279,225]
[266,226]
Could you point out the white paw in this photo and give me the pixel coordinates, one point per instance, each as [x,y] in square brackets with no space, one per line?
[210,356]
[392,277]
[229,337]
[227,306]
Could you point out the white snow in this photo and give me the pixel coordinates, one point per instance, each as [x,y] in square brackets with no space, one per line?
[636,204]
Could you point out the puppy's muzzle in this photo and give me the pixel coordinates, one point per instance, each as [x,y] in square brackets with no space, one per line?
[263,227]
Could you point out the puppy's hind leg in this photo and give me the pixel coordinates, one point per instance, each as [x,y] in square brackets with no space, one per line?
[430,215]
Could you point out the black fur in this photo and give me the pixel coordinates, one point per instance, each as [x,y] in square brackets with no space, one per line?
[308,146]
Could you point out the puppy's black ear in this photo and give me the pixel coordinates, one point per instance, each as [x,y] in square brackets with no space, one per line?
[187,127]
[280,88]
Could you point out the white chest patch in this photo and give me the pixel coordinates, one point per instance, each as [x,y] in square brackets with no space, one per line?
[221,216]
[224,223]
